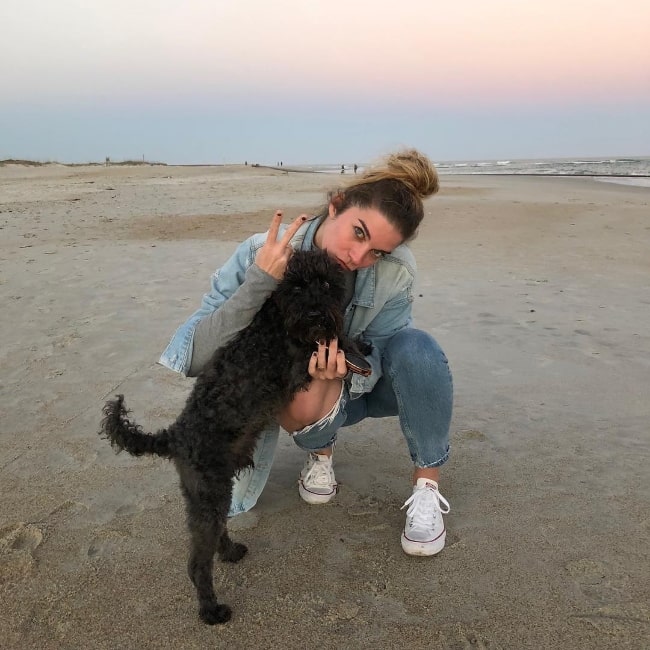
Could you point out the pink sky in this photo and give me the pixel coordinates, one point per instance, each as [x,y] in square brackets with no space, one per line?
[496,51]
[475,78]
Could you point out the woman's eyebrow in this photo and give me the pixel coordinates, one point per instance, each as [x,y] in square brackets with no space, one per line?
[365,228]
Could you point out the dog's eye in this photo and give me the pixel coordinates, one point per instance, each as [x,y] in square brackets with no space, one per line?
[326,285]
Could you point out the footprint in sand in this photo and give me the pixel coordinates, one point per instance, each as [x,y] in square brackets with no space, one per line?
[104,543]
[606,596]
[472,434]
[466,640]
[17,545]
[627,621]
[596,583]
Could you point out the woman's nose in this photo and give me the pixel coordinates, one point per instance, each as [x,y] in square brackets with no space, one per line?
[358,255]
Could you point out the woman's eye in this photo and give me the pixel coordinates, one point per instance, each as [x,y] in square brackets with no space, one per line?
[359,233]
[377,254]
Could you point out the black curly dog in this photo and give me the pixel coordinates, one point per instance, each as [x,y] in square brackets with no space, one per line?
[240,391]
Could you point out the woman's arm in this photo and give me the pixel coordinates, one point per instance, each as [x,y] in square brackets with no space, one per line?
[230,315]
[238,290]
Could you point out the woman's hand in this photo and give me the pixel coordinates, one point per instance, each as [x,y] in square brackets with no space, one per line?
[328,362]
[275,254]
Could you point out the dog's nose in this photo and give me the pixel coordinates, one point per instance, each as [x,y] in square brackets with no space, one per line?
[313,314]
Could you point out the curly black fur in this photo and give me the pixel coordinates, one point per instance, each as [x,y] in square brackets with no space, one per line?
[241,390]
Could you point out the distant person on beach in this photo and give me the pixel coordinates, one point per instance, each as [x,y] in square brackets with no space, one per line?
[365,227]
[355,168]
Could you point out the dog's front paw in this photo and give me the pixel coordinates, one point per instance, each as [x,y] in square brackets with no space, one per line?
[215,614]
[235,552]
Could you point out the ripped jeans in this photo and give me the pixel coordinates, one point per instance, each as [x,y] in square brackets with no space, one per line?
[416,386]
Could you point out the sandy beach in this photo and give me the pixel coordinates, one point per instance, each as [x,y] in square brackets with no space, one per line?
[538,289]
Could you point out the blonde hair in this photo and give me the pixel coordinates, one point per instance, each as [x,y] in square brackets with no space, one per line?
[395,187]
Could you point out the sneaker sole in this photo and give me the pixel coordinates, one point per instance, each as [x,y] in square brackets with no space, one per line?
[423,549]
[313,498]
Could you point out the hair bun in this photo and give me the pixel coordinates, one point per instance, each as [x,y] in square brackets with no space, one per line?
[395,186]
[415,170]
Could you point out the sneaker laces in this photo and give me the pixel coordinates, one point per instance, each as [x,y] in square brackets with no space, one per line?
[319,474]
[424,506]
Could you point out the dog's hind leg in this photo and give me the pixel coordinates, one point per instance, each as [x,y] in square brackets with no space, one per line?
[207,509]
[228,550]
[205,535]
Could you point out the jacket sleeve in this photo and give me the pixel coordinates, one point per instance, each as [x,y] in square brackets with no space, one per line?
[219,326]
[237,291]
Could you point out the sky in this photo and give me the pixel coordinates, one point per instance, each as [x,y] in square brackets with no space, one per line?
[323,81]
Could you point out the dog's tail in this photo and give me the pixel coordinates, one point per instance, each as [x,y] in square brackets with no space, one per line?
[124,434]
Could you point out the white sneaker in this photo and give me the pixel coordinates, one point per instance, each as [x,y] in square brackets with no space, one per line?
[317,483]
[424,532]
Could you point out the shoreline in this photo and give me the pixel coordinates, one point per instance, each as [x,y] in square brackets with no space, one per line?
[442,167]
[637,180]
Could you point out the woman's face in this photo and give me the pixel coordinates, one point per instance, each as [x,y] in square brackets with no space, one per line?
[357,237]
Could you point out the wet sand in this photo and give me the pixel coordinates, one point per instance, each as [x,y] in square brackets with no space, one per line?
[538,289]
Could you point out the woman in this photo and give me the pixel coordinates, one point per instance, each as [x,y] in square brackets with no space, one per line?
[364,227]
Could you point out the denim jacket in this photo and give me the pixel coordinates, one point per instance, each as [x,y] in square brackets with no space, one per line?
[380,305]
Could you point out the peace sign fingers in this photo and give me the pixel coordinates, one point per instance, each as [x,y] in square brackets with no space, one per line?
[274,255]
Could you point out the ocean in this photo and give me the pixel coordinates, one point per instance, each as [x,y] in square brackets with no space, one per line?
[628,171]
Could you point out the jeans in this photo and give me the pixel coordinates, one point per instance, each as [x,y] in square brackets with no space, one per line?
[416,386]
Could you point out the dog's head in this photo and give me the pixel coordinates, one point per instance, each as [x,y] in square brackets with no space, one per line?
[310,297]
